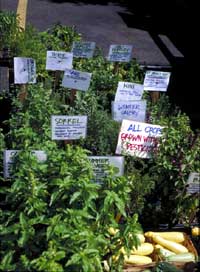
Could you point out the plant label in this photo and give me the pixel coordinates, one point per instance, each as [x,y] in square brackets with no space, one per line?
[129,110]
[120,53]
[58,60]
[9,156]
[138,139]
[156,81]
[4,79]
[100,165]
[24,70]
[83,49]
[77,80]
[68,127]
[129,91]
[193,183]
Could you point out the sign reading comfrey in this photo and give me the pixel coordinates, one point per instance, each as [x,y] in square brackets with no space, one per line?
[9,157]
[24,70]
[156,81]
[77,80]
[58,60]
[138,139]
[129,91]
[121,53]
[83,49]
[68,127]
[193,183]
[133,110]
[100,165]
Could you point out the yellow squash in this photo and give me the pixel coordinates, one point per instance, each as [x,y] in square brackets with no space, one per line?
[143,250]
[137,259]
[175,236]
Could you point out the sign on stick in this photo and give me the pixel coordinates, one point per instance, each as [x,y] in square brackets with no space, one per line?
[83,49]
[120,53]
[24,70]
[129,91]
[58,60]
[77,80]
[156,81]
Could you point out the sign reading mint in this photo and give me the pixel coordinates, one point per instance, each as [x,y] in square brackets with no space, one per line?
[120,53]
[129,110]
[156,81]
[68,127]
[58,60]
[129,91]
[100,165]
[24,70]
[77,80]
[83,49]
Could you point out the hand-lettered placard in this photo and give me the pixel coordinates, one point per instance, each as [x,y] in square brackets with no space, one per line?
[100,165]
[129,91]
[24,70]
[10,154]
[120,53]
[68,127]
[83,49]
[58,60]
[129,110]
[77,80]
[193,183]
[156,81]
[138,139]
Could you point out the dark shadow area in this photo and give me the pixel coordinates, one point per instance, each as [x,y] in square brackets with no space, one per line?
[89,2]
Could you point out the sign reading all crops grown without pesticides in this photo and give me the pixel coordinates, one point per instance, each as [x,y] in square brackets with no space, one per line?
[156,81]
[120,53]
[58,60]
[68,127]
[129,91]
[77,80]
[9,156]
[100,165]
[83,49]
[138,139]
[193,183]
[24,70]
[133,110]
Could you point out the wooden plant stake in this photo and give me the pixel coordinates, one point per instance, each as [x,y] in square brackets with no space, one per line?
[23,93]
[57,75]
[155,96]
[116,67]
[72,97]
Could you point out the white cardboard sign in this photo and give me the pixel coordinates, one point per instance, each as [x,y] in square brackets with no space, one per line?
[120,53]
[156,81]
[24,70]
[58,60]
[100,165]
[68,127]
[83,49]
[129,110]
[193,183]
[9,155]
[129,91]
[138,139]
[77,80]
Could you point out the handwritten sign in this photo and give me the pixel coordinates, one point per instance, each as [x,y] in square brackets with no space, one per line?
[133,110]
[58,60]
[24,70]
[100,165]
[77,80]
[138,139]
[68,127]
[193,183]
[129,91]
[156,81]
[9,156]
[83,49]
[121,53]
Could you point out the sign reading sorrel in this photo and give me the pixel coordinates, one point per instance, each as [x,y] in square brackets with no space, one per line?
[138,139]
[24,70]
[68,127]
[83,49]
[156,81]
[133,110]
[121,53]
[9,157]
[58,60]
[193,183]
[129,91]
[100,165]
[77,80]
